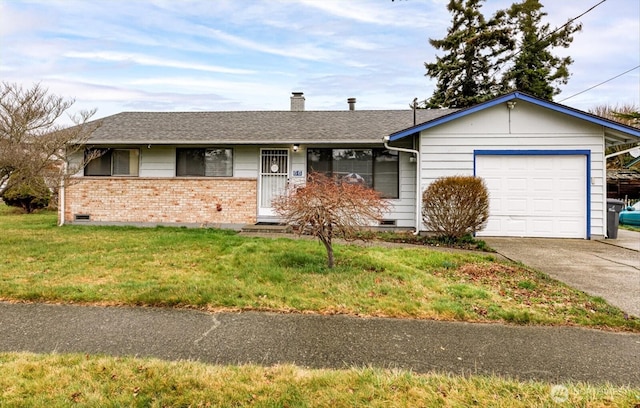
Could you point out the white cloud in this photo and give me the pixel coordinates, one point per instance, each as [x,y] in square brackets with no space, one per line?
[153,61]
[249,54]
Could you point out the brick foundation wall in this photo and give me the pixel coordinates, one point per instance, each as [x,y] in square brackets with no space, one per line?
[163,200]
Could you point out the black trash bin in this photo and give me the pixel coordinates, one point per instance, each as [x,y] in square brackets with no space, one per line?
[613,212]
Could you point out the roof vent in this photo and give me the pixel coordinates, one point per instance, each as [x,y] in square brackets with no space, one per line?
[297,102]
[352,103]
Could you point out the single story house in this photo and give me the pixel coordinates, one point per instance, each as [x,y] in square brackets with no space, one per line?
[543,163]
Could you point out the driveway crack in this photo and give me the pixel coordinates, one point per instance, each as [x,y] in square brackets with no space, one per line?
[616,262]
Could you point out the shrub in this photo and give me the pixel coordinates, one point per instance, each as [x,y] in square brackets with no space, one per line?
[29,195]
[453,207]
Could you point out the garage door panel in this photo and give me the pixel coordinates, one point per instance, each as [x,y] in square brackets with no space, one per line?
[542,184]
[516,206]
[517,184]
[542,205]
[515,226]
[541,163]
[535,195]
[568,206]
[541,226]
[568,226]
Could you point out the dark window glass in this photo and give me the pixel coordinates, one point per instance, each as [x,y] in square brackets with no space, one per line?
[385,173]
[113,162]
[319,161]
[125,162]
[100,166]
[219,163]
[204,162]
[354,165]
[377,168]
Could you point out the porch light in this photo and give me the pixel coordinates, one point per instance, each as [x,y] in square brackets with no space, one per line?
[296,147]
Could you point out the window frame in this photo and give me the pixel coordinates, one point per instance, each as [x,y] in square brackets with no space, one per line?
[108,152]
[328,152]
[203,151]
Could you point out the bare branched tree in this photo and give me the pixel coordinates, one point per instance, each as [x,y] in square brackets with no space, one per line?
[328,208]
[33,143]
[625,114]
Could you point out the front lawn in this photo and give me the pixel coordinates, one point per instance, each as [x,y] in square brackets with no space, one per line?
[28,380]
[221,270]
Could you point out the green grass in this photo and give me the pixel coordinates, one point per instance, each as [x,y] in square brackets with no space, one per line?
[217,270]
[629,227]
[28,380]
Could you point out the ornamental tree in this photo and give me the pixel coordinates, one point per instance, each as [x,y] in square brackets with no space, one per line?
[328,208]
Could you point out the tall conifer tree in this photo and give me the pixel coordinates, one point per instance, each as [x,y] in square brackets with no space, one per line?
[471,48]
[535,70]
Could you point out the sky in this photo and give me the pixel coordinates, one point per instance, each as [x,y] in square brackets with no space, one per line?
[222,55]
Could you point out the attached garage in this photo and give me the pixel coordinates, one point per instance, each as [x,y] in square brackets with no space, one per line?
[544,163]
[535,194]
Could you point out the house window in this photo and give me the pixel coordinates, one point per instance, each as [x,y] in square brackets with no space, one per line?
[204,162]
[113,162]
[377,168]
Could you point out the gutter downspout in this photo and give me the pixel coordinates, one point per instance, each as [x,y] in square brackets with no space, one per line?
[385,140]
[61,194]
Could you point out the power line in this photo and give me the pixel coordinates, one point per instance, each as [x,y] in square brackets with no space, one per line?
[601,83]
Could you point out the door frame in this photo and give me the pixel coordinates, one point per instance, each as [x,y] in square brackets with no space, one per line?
[267,213]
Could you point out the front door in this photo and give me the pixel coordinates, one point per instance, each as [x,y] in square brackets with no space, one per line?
[274,174]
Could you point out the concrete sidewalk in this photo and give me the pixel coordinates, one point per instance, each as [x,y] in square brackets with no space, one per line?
[553,354]
[606,268]
[626,239]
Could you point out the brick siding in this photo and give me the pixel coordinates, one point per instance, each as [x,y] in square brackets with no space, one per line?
[163,200]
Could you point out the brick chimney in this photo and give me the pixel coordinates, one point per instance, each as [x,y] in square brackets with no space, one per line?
[352,103]
[297,102]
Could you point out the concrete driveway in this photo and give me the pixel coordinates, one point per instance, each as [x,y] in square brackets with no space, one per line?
[606,268]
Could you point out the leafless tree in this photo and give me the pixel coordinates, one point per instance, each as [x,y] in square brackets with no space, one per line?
[33,143]
[625,114]
[327,208]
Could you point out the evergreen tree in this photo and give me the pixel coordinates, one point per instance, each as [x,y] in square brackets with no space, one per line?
[465,73]
[535,69]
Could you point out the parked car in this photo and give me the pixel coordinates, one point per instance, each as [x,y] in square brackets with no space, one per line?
[631,215]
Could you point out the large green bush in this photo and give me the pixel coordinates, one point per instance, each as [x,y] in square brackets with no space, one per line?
[453,207]
[29,195]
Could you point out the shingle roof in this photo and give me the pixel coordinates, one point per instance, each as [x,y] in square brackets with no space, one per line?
[259,127]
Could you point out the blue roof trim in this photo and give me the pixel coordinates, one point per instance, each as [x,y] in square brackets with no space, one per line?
[520,96]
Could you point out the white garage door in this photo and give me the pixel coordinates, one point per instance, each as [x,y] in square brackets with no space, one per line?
[535,196]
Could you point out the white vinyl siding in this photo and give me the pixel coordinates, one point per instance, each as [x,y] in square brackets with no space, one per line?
[448,149]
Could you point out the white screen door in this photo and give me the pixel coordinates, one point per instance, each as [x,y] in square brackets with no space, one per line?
[274,173]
